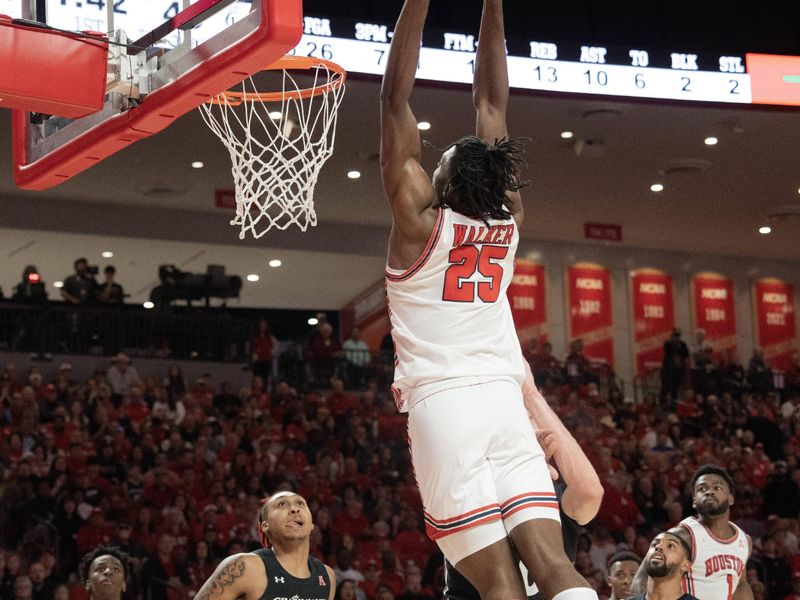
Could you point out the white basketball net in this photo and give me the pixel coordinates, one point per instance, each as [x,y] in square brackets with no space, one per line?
[277,150]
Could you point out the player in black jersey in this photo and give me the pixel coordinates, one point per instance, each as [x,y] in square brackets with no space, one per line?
[282,569]
[666,563]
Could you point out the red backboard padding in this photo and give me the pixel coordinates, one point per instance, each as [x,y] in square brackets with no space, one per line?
[50,72]
[279,29]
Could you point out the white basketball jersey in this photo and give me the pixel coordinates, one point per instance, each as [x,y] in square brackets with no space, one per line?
[717,564]
[449,311]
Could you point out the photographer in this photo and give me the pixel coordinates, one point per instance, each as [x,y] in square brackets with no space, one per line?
[30,327]
[31,289]
[79,289]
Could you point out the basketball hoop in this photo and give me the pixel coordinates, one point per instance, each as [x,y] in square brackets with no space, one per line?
[278,142]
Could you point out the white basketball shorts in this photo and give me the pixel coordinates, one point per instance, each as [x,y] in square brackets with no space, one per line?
[479,468]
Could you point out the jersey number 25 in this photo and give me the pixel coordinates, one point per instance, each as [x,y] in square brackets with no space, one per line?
[464,261]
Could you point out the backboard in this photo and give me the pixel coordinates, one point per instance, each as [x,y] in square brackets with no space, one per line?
[166,57]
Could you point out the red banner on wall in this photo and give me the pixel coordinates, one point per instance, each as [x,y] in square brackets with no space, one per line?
[776,328]
[589,301]
[527,296]
[653,307]
[714,308]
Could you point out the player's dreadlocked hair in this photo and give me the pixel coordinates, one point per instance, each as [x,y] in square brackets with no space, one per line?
[711,469]
[115,551]
[481,175]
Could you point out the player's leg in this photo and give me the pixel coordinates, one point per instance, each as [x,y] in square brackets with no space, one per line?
[527,499]
[449,433]
[493,572]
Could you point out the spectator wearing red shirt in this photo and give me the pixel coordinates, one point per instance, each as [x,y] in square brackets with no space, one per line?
[323,353]
[352,520]
[96,532]
[545,366]
[262,348]
[410,544]
[618,511]
[339,401]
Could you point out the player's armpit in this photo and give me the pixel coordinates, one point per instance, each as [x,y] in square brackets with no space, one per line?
[228,581]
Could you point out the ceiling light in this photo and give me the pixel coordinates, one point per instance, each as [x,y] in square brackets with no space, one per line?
[765,229]
[354,174]
[252,277]
[423,126]
[58,284]
[275,262]
[313,321]
[198,164]
[656,187]
[711,141]
[107,254]
[275,115]
[567,134]
[148,305]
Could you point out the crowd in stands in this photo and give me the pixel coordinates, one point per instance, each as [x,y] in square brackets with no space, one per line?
[172,471]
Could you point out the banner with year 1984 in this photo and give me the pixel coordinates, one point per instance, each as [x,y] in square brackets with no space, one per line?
[714,310]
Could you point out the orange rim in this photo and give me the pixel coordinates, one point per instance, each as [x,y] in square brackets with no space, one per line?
[287,63]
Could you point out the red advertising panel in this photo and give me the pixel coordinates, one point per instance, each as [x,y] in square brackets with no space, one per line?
[527,296]
[589,301]
[653,307]
[776,328]
[714,308]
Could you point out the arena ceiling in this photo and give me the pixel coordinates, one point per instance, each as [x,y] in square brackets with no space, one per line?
[149,206]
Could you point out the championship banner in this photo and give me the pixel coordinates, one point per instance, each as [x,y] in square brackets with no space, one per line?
[714,309]
[589,302]
[776,329]
[652,304]
[527,297]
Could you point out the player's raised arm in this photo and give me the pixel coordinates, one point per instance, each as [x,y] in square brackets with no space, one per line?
[490,86]
[584,493]
[407,186]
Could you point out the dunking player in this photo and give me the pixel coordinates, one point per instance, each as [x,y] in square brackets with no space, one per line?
[283,568]
[578,489]
[719,548]
[481,472]
[104,571]
[666,564]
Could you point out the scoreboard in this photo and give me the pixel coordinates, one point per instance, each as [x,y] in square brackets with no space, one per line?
[678,74]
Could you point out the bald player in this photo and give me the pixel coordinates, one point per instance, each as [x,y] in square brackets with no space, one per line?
[283,567]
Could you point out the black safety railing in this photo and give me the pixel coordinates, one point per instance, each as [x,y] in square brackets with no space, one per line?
[183,333]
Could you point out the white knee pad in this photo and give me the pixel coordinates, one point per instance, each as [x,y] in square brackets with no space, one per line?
[576,594]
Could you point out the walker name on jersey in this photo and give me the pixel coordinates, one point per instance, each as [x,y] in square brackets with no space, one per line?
[465,235]
[722,562]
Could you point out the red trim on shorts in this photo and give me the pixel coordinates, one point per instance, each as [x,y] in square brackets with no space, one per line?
[553,505]
[436,534]
[541,495]
[462,516]
[426,253]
